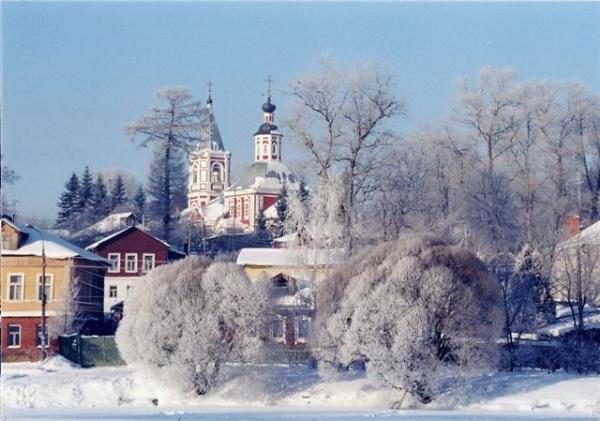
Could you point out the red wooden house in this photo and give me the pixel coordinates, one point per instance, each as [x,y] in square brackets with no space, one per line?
[133,252]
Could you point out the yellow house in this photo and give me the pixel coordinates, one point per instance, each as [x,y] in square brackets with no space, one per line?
[74,288]
[292,274]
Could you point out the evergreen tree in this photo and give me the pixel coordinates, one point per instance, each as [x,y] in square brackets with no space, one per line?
[86,190]
[166,186]
[303,192]
[139,200]
[100,203]
[69,209]
[119,193]
[282,208]
[261,223]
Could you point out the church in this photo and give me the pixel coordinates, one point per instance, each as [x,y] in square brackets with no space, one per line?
[223,207]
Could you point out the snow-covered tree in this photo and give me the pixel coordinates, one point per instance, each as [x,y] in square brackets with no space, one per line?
[282,209]
[197,316]
[173,127]
[409,310]
[8,177]
[341,119]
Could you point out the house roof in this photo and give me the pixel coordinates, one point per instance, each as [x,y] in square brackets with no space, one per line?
[137,227]
[289,257]
[107,224]
[54,247]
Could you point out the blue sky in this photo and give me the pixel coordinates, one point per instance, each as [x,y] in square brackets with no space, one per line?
[75,73]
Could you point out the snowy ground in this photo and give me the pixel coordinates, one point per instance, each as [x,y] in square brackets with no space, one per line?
[59,390]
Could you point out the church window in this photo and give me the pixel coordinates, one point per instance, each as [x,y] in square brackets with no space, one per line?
[194,174]
[274,148]
[216,173]
[246,205]
[265,150]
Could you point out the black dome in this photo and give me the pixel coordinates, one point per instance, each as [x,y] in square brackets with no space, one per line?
[268,107]
[266,128]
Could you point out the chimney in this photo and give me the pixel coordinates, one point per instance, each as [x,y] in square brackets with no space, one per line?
[572,226]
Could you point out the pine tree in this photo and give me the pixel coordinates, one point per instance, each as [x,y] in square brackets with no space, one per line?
[282,208]
[303,192]
[118,194]
[261,223]
[100,203]
[69,209]
[139,200]
[86,191]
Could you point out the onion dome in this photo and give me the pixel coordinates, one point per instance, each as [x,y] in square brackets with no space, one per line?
[268,107]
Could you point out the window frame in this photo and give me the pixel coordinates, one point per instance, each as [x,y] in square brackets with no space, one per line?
[118,268]
[116,290]
[49,284]
[8,285]
[153,255]
[127,261]
[8,336]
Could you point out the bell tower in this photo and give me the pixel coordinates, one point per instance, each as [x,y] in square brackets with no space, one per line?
[209,171]
[267,140]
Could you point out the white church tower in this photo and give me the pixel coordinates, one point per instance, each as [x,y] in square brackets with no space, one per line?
[209,172]
[267,140]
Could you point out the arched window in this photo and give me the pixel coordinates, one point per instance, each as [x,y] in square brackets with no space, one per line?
[194,174]
[274,148]
[216,173]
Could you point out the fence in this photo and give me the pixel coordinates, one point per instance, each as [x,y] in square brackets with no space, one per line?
[90,351]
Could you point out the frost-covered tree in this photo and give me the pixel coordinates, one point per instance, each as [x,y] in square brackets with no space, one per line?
[173,127]
[197,316]
[69,205]
[282,209]
[8,177]
[410,310]
[341,119]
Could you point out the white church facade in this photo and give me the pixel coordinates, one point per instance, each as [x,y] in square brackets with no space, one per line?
[225,207]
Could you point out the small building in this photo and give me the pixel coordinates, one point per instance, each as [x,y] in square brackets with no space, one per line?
[74,289]
[293,275]
[132,252]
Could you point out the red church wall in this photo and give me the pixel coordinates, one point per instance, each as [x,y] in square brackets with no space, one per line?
[268,201]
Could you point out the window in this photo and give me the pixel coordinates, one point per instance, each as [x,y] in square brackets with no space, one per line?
[112,291]
[303,328]
[217,173]
[194,174]
[41,338]
[13,339]
[131,263]
[48,287]
[238,211]
[265,150]
[15,287]
[148,264]
[278,329]
[274,148]
[246,205]
[115,260]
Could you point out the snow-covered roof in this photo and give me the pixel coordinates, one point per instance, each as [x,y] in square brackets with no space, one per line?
[289,257]
[565,325]
[271,211]
[54,247]
[590,235]
[214,209]
[108,224]
[139,227]
[288,238]
[271,174]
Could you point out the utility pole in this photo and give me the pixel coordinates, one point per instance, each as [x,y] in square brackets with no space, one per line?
[44,336]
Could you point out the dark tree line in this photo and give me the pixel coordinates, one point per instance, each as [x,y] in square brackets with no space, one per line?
[87,199]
